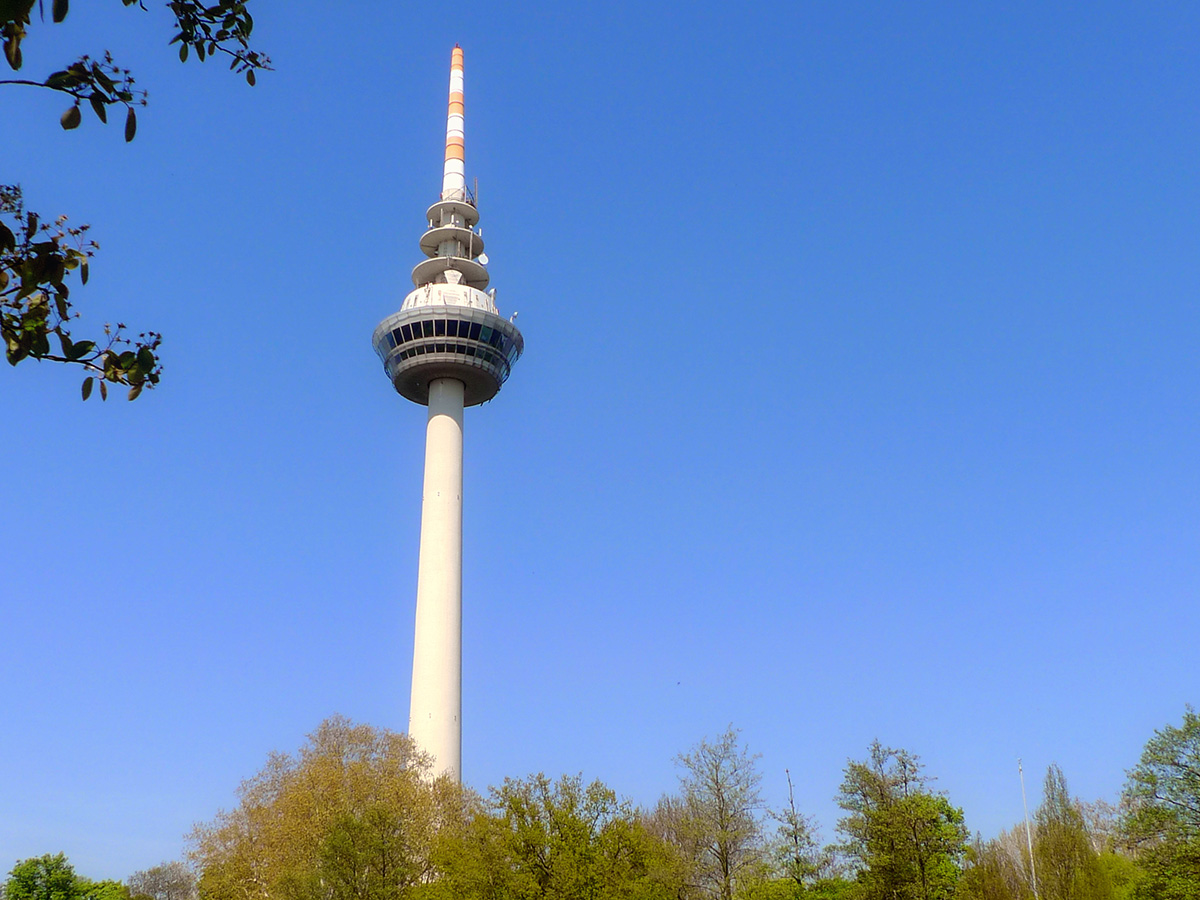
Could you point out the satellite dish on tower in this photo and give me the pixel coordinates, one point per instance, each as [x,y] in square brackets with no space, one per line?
[483,260]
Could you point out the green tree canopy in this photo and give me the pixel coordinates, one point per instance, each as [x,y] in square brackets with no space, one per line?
[1163,822]
[48,877]
[906,841]
[1068,867]
[554,840]
[51,877]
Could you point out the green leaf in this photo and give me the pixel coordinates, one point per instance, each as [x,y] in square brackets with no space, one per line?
[80,349]
[98,107]
[250,77]
[130,125]
[8,240]
[105,81]
[134,391]
[183,52]
[87,386]
[146,360]
[59,10]
[15,351]
[66,344]
[71,118]
[83,272]
[12,51]
[60,80]
[103,391]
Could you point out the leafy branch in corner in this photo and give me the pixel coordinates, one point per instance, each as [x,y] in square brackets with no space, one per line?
[37,258]
[223,28]
[35,262]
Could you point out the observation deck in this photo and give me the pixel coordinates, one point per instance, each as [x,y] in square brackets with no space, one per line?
[470,343]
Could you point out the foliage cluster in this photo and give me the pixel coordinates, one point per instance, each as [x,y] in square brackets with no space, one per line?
[353,815]
[1162,826]
[906,840]
[538,839]
[52,877]
[35,261]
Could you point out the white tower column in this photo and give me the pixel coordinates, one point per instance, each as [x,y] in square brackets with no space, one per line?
[435,711]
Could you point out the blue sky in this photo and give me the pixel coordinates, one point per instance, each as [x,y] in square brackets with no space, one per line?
[860,399]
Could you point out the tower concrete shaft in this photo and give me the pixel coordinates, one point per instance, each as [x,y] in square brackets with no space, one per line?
[435,708]
[448,347]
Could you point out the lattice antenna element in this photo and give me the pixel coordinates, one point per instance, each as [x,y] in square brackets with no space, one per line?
[448,347]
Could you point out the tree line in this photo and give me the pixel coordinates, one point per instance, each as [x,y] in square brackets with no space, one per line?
[357,815]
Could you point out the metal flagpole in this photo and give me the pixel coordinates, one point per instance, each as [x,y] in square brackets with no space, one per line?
[1028,833]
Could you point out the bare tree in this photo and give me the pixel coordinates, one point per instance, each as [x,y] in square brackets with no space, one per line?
[166,881]
[722,806]
[795,850]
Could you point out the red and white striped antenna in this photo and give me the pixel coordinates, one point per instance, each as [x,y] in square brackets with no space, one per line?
[454,173]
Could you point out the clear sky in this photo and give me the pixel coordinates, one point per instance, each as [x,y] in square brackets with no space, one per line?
[860,399]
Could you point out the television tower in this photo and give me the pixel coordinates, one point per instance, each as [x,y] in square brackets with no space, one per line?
[447,348]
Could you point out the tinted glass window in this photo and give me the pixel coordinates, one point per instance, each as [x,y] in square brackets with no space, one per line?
[427,327]
[452,328]
[475,326]
[439,327]
[485,334]
[404,335]
[420,348]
